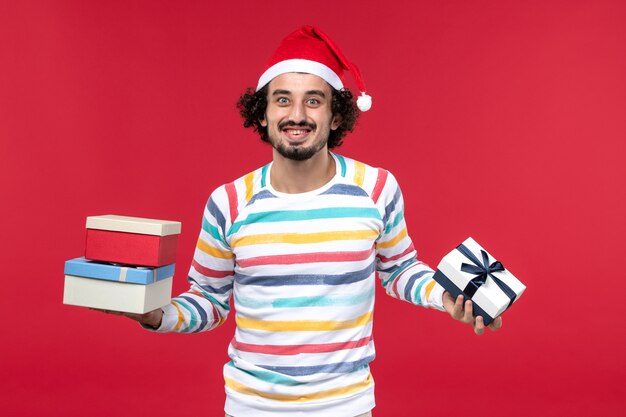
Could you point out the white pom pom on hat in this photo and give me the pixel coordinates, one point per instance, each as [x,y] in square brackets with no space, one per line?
[364,102]
[311,51]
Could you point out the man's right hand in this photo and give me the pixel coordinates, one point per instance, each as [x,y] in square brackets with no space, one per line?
[463,312]
[151,319]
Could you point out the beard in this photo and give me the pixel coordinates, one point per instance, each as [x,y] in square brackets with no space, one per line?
[297,152]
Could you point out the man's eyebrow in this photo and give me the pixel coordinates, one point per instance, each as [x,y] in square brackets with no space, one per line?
[316,93]
[308,93]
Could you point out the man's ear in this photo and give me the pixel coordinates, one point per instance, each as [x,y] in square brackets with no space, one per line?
[336,122]
[263,121]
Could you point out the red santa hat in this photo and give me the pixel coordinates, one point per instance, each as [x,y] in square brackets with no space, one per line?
[311,51]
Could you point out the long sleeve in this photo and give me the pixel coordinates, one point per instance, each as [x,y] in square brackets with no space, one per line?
[207,302]
[402,275]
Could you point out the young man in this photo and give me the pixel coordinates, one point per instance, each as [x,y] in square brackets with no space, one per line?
[297,243]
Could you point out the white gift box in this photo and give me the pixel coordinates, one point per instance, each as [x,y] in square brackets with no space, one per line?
[473,272]
[117,296]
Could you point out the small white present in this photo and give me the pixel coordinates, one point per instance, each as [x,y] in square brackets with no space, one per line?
[471,271]
[116,296]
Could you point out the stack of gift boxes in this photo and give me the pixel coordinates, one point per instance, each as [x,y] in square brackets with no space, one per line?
[128,265]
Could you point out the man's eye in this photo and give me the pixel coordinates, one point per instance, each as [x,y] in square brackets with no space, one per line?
[282,100]
[313,101]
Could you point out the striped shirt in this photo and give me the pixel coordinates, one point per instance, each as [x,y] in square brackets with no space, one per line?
[302,269]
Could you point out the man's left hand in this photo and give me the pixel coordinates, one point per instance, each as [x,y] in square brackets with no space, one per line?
[463,312]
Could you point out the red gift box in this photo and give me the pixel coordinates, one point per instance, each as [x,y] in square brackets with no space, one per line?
[131,240]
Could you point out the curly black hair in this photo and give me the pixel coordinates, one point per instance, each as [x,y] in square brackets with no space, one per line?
[252,106]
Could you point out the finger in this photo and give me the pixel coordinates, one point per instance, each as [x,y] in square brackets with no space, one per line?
[102,310]
[448,302]
[479,326]
[468,314]
[113,312]
[457,310]
[496,324]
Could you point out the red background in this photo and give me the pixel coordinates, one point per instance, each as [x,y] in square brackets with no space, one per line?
[503,120]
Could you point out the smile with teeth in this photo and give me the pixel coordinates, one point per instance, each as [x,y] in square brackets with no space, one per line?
[296,133]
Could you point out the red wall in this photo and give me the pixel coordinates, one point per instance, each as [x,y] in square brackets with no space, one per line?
[502,120]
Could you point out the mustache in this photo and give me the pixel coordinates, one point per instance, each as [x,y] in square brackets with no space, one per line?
[291,123]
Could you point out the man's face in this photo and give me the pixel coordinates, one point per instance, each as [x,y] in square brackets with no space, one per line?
[298,115]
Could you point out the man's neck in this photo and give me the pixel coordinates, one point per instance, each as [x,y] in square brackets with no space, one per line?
[295,177]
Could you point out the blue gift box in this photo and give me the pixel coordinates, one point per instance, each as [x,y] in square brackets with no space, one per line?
[81,267]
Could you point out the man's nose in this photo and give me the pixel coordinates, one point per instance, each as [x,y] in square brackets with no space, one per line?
[298,112]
